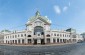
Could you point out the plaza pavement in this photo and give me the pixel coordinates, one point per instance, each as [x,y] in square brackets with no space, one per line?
[65,49]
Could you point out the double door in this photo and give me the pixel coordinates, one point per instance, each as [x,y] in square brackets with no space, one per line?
[41,41]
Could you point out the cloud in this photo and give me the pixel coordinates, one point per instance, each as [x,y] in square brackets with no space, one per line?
[57,9]
[65,8]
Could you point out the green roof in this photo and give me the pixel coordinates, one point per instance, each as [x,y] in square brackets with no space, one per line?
[71,30]
[83,33]
[37,15]
[5,31]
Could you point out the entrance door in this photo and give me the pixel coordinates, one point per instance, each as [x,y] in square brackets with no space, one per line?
[35,41]
[57,40]
[15,41]
[42,41]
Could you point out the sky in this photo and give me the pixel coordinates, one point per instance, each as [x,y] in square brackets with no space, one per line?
[63,13]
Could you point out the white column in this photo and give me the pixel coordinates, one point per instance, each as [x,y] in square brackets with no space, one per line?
[59,40]
[32,41]
[51,40]
[26,41]
[45,40]
[20,41]
[9,41]
[56,40]
[62,40]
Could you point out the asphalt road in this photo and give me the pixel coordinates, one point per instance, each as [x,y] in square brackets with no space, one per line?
[70,49]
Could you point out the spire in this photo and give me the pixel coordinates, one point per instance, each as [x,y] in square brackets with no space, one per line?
[37,13]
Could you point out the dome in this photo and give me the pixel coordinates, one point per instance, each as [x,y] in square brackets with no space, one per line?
[37,15]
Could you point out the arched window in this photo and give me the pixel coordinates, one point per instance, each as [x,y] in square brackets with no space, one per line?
[57,34]
[29,35]
[24,34]
[48,35]
[63,35]
[54,34]
[18,35]
[8,36]
[38,29]
[15,36]
[60,35]
[21,35]
[42,33]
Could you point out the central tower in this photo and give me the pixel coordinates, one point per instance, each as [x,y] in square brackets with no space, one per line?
[38,25]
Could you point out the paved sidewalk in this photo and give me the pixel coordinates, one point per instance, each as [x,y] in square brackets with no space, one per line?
[37,45]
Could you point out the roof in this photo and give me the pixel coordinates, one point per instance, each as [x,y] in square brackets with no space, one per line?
[83,33]
[38,16]
[5,30]
[70,30]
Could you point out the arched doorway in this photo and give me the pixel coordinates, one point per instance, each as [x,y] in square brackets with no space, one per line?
[39,32]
